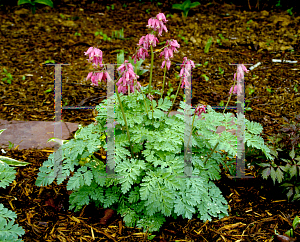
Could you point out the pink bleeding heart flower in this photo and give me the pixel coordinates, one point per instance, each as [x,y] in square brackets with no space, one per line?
[95,56]
[150,97]
[239,76]
[237,89]
[168,52]
[128,78]
[240,72]
[200,109]
[185,71]
[148,40]
[158,23]
[98,77]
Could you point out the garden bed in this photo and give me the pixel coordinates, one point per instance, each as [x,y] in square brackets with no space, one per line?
[62,34]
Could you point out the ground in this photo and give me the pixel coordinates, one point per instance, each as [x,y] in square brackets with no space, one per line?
[65,32]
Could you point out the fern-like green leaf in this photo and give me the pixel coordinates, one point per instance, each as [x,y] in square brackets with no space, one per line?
[79,198]
[7,174]
[112,195]
[253,127]
[8,230]
[151,223]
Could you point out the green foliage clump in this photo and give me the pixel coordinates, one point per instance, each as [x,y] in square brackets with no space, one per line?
[8,230]
[152,180]
[285,147]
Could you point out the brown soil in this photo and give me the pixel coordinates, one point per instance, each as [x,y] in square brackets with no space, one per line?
[257,207]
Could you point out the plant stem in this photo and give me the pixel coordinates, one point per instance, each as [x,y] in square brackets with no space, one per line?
[229,98]
[190,136]
[162,90]
[121,106]
[175,97]
[144,101]
[151,68]
[223,113]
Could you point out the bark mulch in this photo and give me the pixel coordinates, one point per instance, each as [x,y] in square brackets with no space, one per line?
[62,34]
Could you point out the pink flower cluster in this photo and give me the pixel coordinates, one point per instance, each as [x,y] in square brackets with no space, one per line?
[128,75]
[200,109]
[157,24]
[171,46]
[238,76]
[128,78]
[185,71]
[95,57]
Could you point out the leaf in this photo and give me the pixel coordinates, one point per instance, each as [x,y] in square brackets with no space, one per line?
[134,196]
[177,6]
[8,230]
[273,174]
[79,198]
[1,130]
[266,173]
[164,104]
[13,162]
[130,218]
[137,66]
[186,4]
[49,90]
[120,57]
[185,14]
[170,91]
[7,174]
[205,77]
[253,127]
[111,196]
[80,178]
[58,141]
[183,209]
[292,153]
[45,2]
[279,175]
[195,4]
[141,72]
[151,237]
[293,170]
[23,2]
[296,222]
[151,223]
[207,46]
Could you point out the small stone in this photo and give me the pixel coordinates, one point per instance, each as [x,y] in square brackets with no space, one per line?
[69,23]
[193,40]
[264,13]
[22,11]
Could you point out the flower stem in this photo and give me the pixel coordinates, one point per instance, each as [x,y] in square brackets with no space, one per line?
[162,90]
[175,97]
[144,101]
[151,68]
[229,98]
[223,113]
[190,136]
[121,106]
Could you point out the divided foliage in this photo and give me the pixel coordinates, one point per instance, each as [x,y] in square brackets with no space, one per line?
[8,230]
[152,184]
[285,168]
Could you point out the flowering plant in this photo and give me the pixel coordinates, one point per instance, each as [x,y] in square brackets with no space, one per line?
[164,164]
